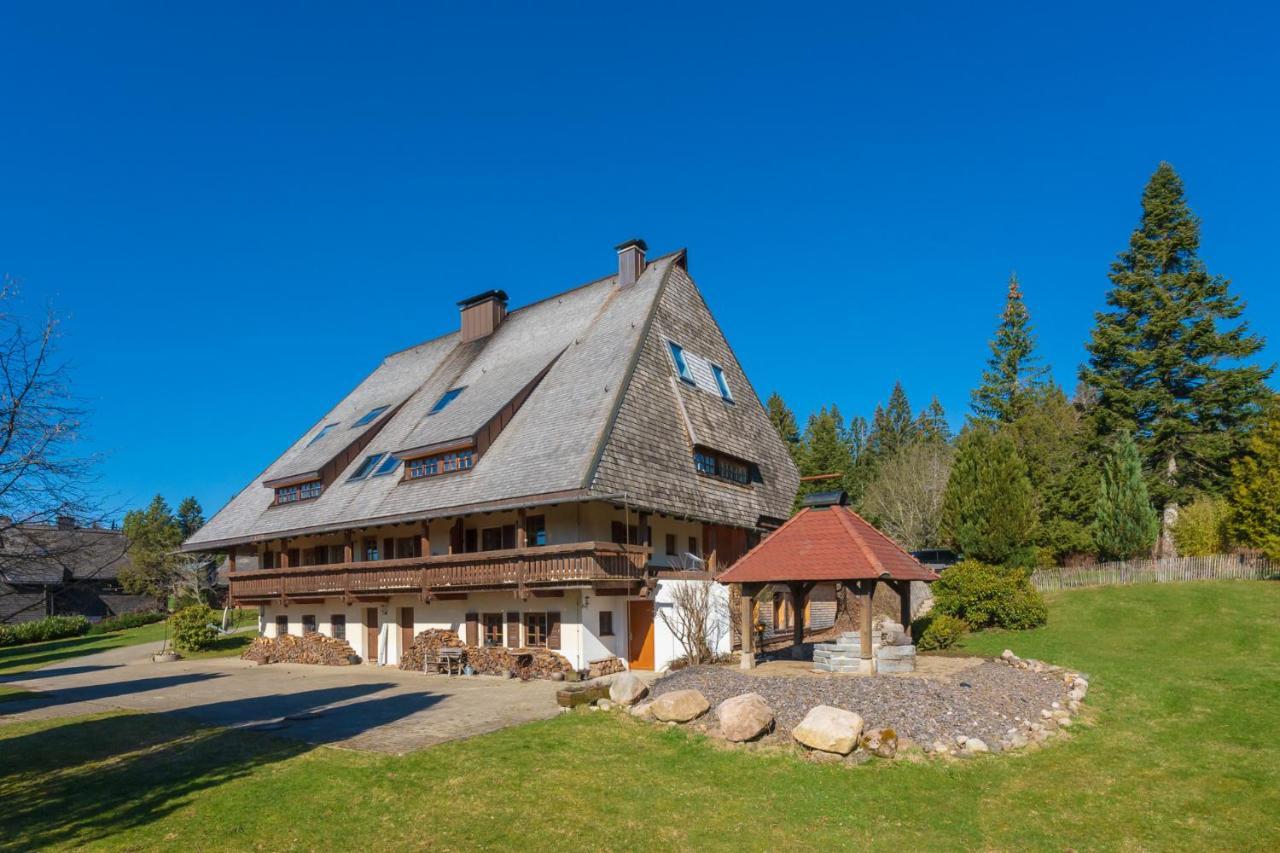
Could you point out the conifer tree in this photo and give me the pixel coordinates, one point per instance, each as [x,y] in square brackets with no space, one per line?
[826,449]
[892,427]
[1012,372]
[1167,360]
[1125,525]
[784,422]
[988,510]
[1255,492]
[931,424]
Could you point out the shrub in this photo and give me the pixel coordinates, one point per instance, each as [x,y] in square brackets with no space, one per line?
[989,596]
[192,628]
[939,631]
[1201,528]
[127,620]
[49,628]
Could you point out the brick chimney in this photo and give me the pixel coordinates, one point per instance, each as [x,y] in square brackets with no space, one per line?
[482,314]
[630,261]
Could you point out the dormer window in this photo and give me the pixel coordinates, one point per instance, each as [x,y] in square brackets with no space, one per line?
[299,492]
[711,464]
[682,365]
[441,463]
[324,430]
[445,399]
[370,416]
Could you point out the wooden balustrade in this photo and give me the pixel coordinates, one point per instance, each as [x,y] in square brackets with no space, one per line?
[514,567]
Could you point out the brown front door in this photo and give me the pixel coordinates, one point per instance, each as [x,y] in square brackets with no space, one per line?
[406,629]
[371,635]
[640,634]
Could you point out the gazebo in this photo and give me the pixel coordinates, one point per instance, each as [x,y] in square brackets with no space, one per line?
[826,542]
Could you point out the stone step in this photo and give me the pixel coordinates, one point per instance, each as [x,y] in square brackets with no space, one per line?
[890,667]
[895,652]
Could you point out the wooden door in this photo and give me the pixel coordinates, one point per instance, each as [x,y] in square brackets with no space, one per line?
[371,635]
[640,634]
[406,629]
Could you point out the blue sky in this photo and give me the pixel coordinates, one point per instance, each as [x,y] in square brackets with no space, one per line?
[239,210]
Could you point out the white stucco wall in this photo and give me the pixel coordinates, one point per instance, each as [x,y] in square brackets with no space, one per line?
[666,647]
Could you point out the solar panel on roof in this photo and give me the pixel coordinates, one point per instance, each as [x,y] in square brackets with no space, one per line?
[824,499]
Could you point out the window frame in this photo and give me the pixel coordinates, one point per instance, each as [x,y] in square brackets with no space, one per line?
[487,634]
[530,634]
[324,430]
[310,619]
[366,467]
[386,466]
[370,416]
[717,372]
[681,364]
[606,624]
[445,399]
[338,626]
[436,465]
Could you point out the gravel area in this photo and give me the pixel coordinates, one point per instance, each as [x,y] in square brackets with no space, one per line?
[984,701]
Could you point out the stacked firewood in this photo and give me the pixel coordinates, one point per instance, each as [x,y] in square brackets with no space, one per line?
[604,666]
[311,648]
[523,663]
[425,646]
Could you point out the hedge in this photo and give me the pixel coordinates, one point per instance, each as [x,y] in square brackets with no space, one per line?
[48,628]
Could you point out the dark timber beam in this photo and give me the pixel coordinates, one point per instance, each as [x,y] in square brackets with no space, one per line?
[746,598]
[799,598]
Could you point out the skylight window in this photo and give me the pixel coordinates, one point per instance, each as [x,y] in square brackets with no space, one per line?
[324,430]
[721,383]
[370,417]
[682,366]
[445,399]
[369,463]
[389,464]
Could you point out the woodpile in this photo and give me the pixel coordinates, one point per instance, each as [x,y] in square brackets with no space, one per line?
[311,648]
[604,666]
[425,646]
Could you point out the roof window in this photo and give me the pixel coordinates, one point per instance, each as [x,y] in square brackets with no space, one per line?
[445,399]
[389,464]
[682,366]
[324,430]
[721,383]
[370,416]
[365,467]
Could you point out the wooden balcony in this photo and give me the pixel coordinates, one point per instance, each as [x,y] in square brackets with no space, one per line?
[516,569]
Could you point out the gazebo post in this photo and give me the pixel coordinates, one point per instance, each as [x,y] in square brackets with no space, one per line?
[865,590]
[799,597]
[746,598]
[904,604]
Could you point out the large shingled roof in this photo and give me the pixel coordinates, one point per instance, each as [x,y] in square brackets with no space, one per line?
[828,543]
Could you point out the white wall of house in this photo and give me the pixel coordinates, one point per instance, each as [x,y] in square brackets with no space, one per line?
[666,645]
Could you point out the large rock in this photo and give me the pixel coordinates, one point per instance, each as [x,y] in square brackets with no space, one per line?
[829,729]
[628,689]
[744,717]
[882,742]
[680,706]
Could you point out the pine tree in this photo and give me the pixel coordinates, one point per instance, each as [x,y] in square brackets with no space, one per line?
[1165,361]
[1011,372]
[988,510]
[931,424]
[892,427]
[153,535]
[784,422]
[1255,492]
[826,449]
[1125,525]
[190,516]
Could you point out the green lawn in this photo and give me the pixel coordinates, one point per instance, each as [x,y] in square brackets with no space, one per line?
[1185,755]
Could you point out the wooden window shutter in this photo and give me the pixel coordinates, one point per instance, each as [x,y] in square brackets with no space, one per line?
[473,629]
[513,630]
[553,630]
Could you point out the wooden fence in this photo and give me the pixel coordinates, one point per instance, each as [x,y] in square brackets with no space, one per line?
[1215,567]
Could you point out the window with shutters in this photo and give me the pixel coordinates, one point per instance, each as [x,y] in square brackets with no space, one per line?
[606,623]
[338,626]
[493,629]
[535,630]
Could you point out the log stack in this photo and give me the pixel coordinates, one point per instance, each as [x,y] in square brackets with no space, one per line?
[311,648]
[524,663]
[604,666]
[425,646]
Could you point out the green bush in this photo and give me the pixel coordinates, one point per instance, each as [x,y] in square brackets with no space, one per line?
[987,596]
[127,620]
[49,628]
[939,631]
[1202,528]
[192,628]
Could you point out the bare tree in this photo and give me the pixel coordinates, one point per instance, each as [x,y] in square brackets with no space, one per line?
[697,618]
[905,498]
[42,480]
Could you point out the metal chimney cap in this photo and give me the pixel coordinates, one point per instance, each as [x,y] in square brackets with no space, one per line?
[634,241]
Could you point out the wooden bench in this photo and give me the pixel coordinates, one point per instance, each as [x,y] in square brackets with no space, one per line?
[449,661]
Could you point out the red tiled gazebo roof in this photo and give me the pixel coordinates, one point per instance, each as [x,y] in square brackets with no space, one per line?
[826,543]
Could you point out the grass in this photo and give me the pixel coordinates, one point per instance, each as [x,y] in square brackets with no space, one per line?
[1185,754]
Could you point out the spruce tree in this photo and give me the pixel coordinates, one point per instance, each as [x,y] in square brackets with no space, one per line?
[1125,525]
[1166,360]
[826,449]
[1255,491]
[784,422]
[190,516]
[931,424]
[892,427]
[1011,372]
[988,509]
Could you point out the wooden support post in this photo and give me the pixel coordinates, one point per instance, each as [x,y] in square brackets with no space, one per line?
[231,561]
[642,534]
[424,539]
[284,553]
[799,598]
[746,595]
[904,605]
[522,531]
[348,548]
[867,590]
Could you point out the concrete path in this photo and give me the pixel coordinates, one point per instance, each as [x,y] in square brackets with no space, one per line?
[359,707]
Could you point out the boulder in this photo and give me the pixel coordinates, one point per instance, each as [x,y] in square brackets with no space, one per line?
[628,689]
[744,717]
[641,710]
[829,729]
[604,705]
[974,746]
[882,742]
[680,706]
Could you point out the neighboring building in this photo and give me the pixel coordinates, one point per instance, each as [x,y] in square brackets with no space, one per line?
[63,569]
[537,477]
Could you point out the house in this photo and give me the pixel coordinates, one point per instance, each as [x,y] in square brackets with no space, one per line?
[540,477]
[63,569]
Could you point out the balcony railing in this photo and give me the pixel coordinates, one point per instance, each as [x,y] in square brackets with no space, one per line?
[505,569]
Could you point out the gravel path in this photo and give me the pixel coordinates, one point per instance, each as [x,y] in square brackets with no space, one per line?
[984,701]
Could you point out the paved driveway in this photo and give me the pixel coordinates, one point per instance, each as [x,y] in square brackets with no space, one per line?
[359,707]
